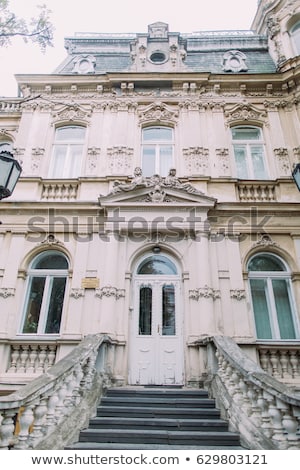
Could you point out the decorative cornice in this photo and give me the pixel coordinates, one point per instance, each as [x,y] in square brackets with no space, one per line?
[204,292]
[110,291]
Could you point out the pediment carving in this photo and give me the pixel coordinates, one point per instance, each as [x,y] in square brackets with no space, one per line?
[71,113]
[155,190]
[158,112]
[245,112]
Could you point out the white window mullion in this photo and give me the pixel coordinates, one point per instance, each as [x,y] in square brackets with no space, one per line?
[272,310]
[45,305]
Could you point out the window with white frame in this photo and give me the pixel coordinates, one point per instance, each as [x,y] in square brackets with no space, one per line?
[157,150]
[46,285]
[248,150]
[272,298]
[67,152]
[295,35]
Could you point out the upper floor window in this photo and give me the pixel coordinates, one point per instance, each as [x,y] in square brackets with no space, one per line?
[295,35]
[67,152]
[157,150]
[47,277]
[272,300]
[249,152]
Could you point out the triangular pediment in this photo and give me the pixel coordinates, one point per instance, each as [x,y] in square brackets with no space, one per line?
[156,191]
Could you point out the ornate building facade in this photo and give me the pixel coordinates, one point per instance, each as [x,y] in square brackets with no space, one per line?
[156,203]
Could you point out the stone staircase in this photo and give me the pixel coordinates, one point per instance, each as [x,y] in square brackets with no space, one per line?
[156,418]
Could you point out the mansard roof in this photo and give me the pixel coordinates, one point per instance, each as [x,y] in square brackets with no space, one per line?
[158,50]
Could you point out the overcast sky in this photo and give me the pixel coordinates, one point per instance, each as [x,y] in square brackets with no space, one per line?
[115,16]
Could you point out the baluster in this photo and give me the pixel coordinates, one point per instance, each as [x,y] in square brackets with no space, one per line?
[290,424]
[25,421]
[294,363]
[246,406]
[7,428]
[32,358]
[39,414]
[41,358]
[278,433]
[70,398]
[283,359]
[51,354]
[237,392]
[24,356]
[266,424]
[264,360]
[14,357]
[51,405]
[274,363]
[60,409]
[255,415]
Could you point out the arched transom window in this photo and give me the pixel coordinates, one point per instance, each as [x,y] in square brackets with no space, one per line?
[272,298]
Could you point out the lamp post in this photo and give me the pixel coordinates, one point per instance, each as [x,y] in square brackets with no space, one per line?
[10,170]
[296,175]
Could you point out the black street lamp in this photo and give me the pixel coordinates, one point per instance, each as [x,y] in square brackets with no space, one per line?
[296,175]
[10,170]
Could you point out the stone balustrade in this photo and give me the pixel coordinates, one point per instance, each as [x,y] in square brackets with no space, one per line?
[282,362]
[33,358]
[62,190]
[48,412]
[263,410]
[10,106]
[256,192]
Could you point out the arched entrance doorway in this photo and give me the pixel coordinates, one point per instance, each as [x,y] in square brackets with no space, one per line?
[156,349]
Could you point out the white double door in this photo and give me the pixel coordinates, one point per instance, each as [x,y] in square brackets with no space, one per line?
[156,349]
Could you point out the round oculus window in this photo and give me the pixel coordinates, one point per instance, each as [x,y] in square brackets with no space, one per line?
[158,57]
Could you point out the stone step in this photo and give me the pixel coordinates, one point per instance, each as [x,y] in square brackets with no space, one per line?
[136,436]
[158,423]
[153,418]
[154,412]
[158,401]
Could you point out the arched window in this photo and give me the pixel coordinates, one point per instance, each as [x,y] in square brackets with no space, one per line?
[157,150]
[272,299]
[248,150]
[157,265]
[295,35]
[47,277]
[67,152]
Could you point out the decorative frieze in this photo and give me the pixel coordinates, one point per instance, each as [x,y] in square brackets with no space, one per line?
[36,156]
[6,292]
[283,162]
[223,161]
[205,292]
[238,294]
[76,293]
[119,160]
[110,291]
[92,159]
[196,160]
